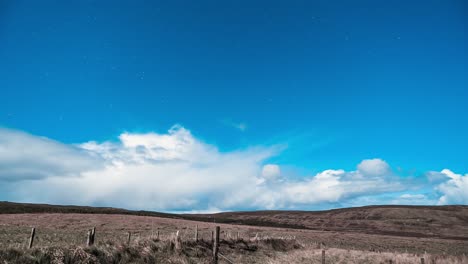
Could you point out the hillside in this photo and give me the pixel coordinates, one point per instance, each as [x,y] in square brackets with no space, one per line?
[448,222]
[28,208]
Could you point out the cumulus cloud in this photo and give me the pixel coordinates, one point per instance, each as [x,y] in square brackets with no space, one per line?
[175,171]
[455,189]
[332,186]
[178,145]
[271,171]
[374,167]
[169,171]
[436,177]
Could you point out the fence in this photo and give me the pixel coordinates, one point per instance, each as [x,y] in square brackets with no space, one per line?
[215,240]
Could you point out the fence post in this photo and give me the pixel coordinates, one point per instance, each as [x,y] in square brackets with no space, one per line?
[216,246]
[212,237]
[157,235]
[323,256]
[196,233]
[88,241]
[129,237]
[177,242]
[31,239]
[93,235]
[422,260]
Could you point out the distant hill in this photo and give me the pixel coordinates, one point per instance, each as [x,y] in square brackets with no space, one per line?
[449,222]
[27,208]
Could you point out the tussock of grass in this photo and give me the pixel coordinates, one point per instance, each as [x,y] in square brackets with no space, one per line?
[279,244]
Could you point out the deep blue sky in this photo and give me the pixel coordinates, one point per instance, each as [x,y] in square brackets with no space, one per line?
[338,81]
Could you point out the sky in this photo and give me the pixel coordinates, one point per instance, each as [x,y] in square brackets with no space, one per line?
[205,106]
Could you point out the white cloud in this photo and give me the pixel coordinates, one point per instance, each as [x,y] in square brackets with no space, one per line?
[175,171]
[412,196]
[330,186]
[413,199]
[177,145]
[323,187]
[271,171]
[24,156]
[154,171]
[455,189]
[436,177]
[374,167]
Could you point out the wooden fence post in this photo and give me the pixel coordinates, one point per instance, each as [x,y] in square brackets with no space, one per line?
[422,260]
[212,237]
[88,241]
[129,237]
[177,241]
[31,239]
[323,256]
[93,235]
[216,246]
[196,233]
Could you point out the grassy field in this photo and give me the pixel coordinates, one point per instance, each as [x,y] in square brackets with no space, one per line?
[167,250]
[64,236]
[375,234]
[401,220]
[233,251]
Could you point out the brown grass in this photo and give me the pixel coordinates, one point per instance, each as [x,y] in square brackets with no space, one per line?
[412,221]
[150,251]
[335,255]
[270,250]
[63,236]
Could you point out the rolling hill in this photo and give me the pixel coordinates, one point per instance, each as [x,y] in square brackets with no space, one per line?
[447,222]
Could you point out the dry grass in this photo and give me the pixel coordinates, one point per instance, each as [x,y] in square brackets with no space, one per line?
[415,221]
[71,229]
[266,250]
[151,251]
[60,238]
[334,255]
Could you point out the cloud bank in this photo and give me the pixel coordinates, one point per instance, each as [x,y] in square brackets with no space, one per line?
[175,171]
[24,156]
